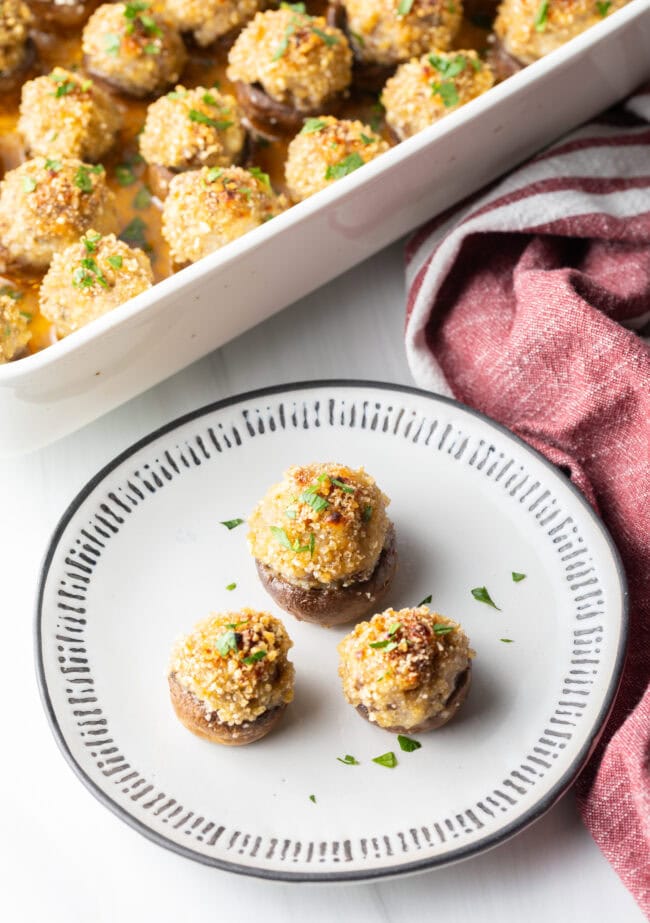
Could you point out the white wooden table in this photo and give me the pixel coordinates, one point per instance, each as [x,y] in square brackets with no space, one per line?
[64,857]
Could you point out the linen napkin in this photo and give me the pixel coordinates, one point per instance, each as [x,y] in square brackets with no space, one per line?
[531,302]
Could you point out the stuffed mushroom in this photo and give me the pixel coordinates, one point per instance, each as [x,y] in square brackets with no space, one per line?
[326,150]
[133,47]
[287,65]
[406,671]
[230,679]
[323,544]
[426,89]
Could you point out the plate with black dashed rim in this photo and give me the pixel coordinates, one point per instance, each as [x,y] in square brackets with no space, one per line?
[141,555]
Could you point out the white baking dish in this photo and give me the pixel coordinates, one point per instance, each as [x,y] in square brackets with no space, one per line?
[51,393]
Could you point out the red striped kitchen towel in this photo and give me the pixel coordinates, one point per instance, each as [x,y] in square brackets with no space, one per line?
[531,302]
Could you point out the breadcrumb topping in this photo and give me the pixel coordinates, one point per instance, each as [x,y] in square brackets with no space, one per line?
[15,19]
[530,29]
[209,19]
[91,278]
[46,204]
[67,114]
[14,335]
[380,34]
[428,88]
[411,672]
[322,525]
[192,128]
[206,209]
[211,663]
[298,59]
[326,149]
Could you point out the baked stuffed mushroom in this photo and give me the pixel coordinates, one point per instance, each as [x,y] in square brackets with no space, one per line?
[323,544]
[406,671]
[62,14]
[16,48]
[14,334]
[91,278]
[229,678]
[133,47]
[383,33]
[189,129]
[287,65]
[46,204]
[327,149]
[526,30]
[65,114]
[428,88]
[208,20]
[206,209]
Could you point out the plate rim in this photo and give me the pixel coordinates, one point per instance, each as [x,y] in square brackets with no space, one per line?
[541,807]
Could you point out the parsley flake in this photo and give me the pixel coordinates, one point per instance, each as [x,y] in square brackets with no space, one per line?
[90,242]
[506,640]
[195,115]
[407,744]
[254,658]
[425,602]
[82,178]
[386,759]
[342,485]
[312,798]
[366,515]
[53,165]
[541,17]
[328,39]
[142,198]
[481,594]
[226,642]
[404,7]
[134,232]
[314,499]
[112,43]
[260,176]
[447,92]
[294,7]
[115,260]
[282,537]
[64,87]
[448,67]
[10,292]
[603,7]
[231,523]
[443,629]
[386,645]
[348,760]
[29,183]
[395,627]
[343,168]
[124,174]
[517,578]
[213,174]
[311,126]
[231,586]
[367,139]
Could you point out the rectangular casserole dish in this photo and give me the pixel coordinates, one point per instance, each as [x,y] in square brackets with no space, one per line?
[55,391]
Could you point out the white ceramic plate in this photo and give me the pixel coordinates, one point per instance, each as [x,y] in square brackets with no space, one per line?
[140,556]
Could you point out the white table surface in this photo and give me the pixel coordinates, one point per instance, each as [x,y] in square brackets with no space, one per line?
[63,857]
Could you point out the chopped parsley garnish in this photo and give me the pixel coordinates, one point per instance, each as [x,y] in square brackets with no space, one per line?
[451,7]
[261,176]
[358,38]
[476,63]
[28,317]
[82,178]
[134,7]
[90,242]
[10,292]
[343,168]
[394,628]
[91,273]
[448,67]
[236,625]
[209,99]
[404,7]
[231,523]
[142,198]
[115,260]
[63,86]
[29,183]
[481,594]
[254,658]
[284,44]
[386,645]
[151,48]
[226,642]
[328,39]
[517,578]
[314,499]
[112,43]
[195,115]
[177,94]
[124,174]
[311,126]
[447,92]
[294,7]
[407,744]
[603,7]
[506,640]
[366,515]
[386,759]
[134,232]
[296,547]
[541,17]
[443,629]
[312,798]
[231,586]
[425,601]
[366,139]
[342,485]
[348,760]
[213,174]
[290,514]
[53,165]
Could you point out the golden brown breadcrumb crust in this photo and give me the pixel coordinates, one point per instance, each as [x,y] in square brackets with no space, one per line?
[14,335]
